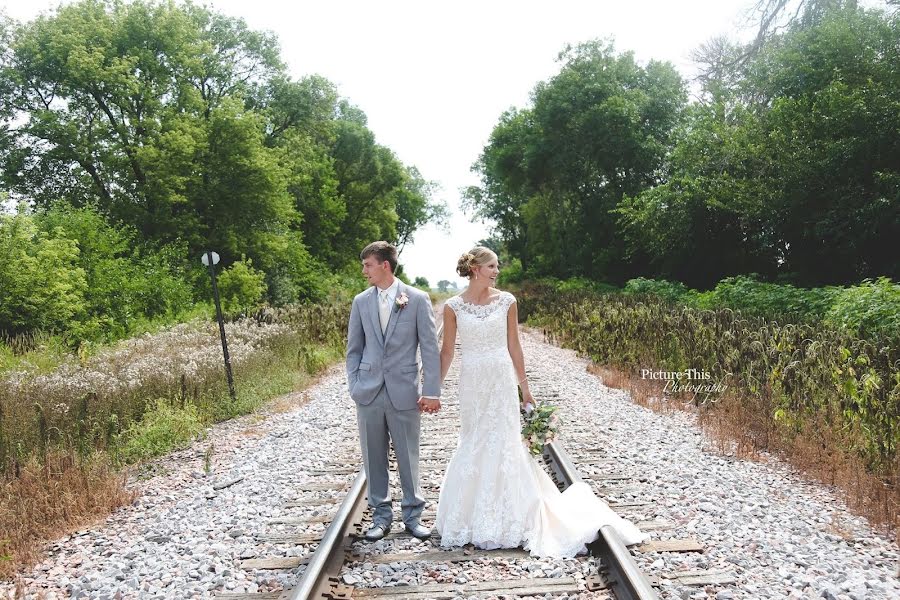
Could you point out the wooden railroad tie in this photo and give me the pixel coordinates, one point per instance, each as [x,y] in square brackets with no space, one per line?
[686,545]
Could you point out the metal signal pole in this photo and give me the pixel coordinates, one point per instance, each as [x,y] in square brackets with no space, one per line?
[211,259]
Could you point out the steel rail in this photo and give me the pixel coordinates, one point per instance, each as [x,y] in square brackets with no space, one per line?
[320,578]
[618,568]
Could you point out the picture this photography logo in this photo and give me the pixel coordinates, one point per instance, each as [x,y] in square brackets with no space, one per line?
[689,381]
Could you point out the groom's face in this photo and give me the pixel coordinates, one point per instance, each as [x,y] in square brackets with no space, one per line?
[376,272]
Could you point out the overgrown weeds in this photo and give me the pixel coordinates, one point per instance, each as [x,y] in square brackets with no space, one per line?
[67,435]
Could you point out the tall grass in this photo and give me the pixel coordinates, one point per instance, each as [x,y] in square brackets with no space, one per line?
[66,433]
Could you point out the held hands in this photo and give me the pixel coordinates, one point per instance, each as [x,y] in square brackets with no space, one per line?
[429,405]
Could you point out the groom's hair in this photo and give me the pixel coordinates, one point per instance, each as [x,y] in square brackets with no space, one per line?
[382,251]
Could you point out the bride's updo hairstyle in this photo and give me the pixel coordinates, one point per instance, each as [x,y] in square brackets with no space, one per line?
[474,258]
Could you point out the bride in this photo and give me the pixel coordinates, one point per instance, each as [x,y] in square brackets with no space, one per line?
[494,494]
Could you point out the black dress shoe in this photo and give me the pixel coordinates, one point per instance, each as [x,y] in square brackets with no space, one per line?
[376,532]
[420,531]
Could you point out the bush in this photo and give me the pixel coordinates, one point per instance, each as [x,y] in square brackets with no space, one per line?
[162,429]
[42,285]
[871,309]
[342,286]
[126,283]
[671,291]
[241,286]
[771,300]
[511,272]
[583,284]
[573,284]
[798,372]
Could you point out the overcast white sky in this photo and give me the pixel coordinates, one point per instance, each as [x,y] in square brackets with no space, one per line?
[434,77]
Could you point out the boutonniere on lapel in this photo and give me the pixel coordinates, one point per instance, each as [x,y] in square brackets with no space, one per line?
[401,301]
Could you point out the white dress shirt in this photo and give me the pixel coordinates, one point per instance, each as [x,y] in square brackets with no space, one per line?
[392,290]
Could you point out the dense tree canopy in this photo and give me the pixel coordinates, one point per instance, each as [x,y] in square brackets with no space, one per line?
[182,123]
[792,166]
[788,167]
[595,132]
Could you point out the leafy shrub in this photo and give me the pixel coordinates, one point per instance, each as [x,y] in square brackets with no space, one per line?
[340,287]
[241,286]
[161,430]
[796,373]
[42,285]
[871,309]
[126,281]
[671,291]
[583,284]
[771,300]
[511,272]
[573,285]
[315,359]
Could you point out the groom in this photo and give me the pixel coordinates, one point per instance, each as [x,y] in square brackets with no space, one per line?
[387,322]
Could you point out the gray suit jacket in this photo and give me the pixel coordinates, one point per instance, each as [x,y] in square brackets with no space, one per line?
[374,358]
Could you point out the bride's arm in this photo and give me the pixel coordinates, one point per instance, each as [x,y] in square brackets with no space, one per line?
[449,343]
[515,350]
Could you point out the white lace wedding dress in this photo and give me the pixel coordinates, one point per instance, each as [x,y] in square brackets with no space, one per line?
[494,494]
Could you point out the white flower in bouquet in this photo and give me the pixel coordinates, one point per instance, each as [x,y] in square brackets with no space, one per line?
[540,427]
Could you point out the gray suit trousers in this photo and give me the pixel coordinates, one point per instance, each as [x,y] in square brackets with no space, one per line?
[378,422]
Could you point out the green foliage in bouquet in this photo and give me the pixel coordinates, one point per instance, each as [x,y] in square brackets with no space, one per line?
[541,426]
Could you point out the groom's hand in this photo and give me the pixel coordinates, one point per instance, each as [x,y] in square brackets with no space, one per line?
[429,405]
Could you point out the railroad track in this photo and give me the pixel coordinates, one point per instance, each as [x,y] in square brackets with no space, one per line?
[331,545]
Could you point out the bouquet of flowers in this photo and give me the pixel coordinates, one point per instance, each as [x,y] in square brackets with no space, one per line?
[541,426]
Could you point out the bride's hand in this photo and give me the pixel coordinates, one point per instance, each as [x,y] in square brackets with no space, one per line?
[527,398]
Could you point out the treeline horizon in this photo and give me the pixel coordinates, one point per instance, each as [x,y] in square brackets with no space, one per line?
[139,135]
[787,167]
[135,136]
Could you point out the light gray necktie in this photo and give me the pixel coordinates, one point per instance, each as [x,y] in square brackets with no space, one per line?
[384,309]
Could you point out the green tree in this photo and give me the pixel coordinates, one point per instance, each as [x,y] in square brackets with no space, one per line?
[183,124]
[141,109]
[790,168]
[383,198]
[416,207]
[313,186]
[41,284]
[421,282]
[833,144]
[551,173]
[124,97]
[301,125]
[348,190]
[711,218]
